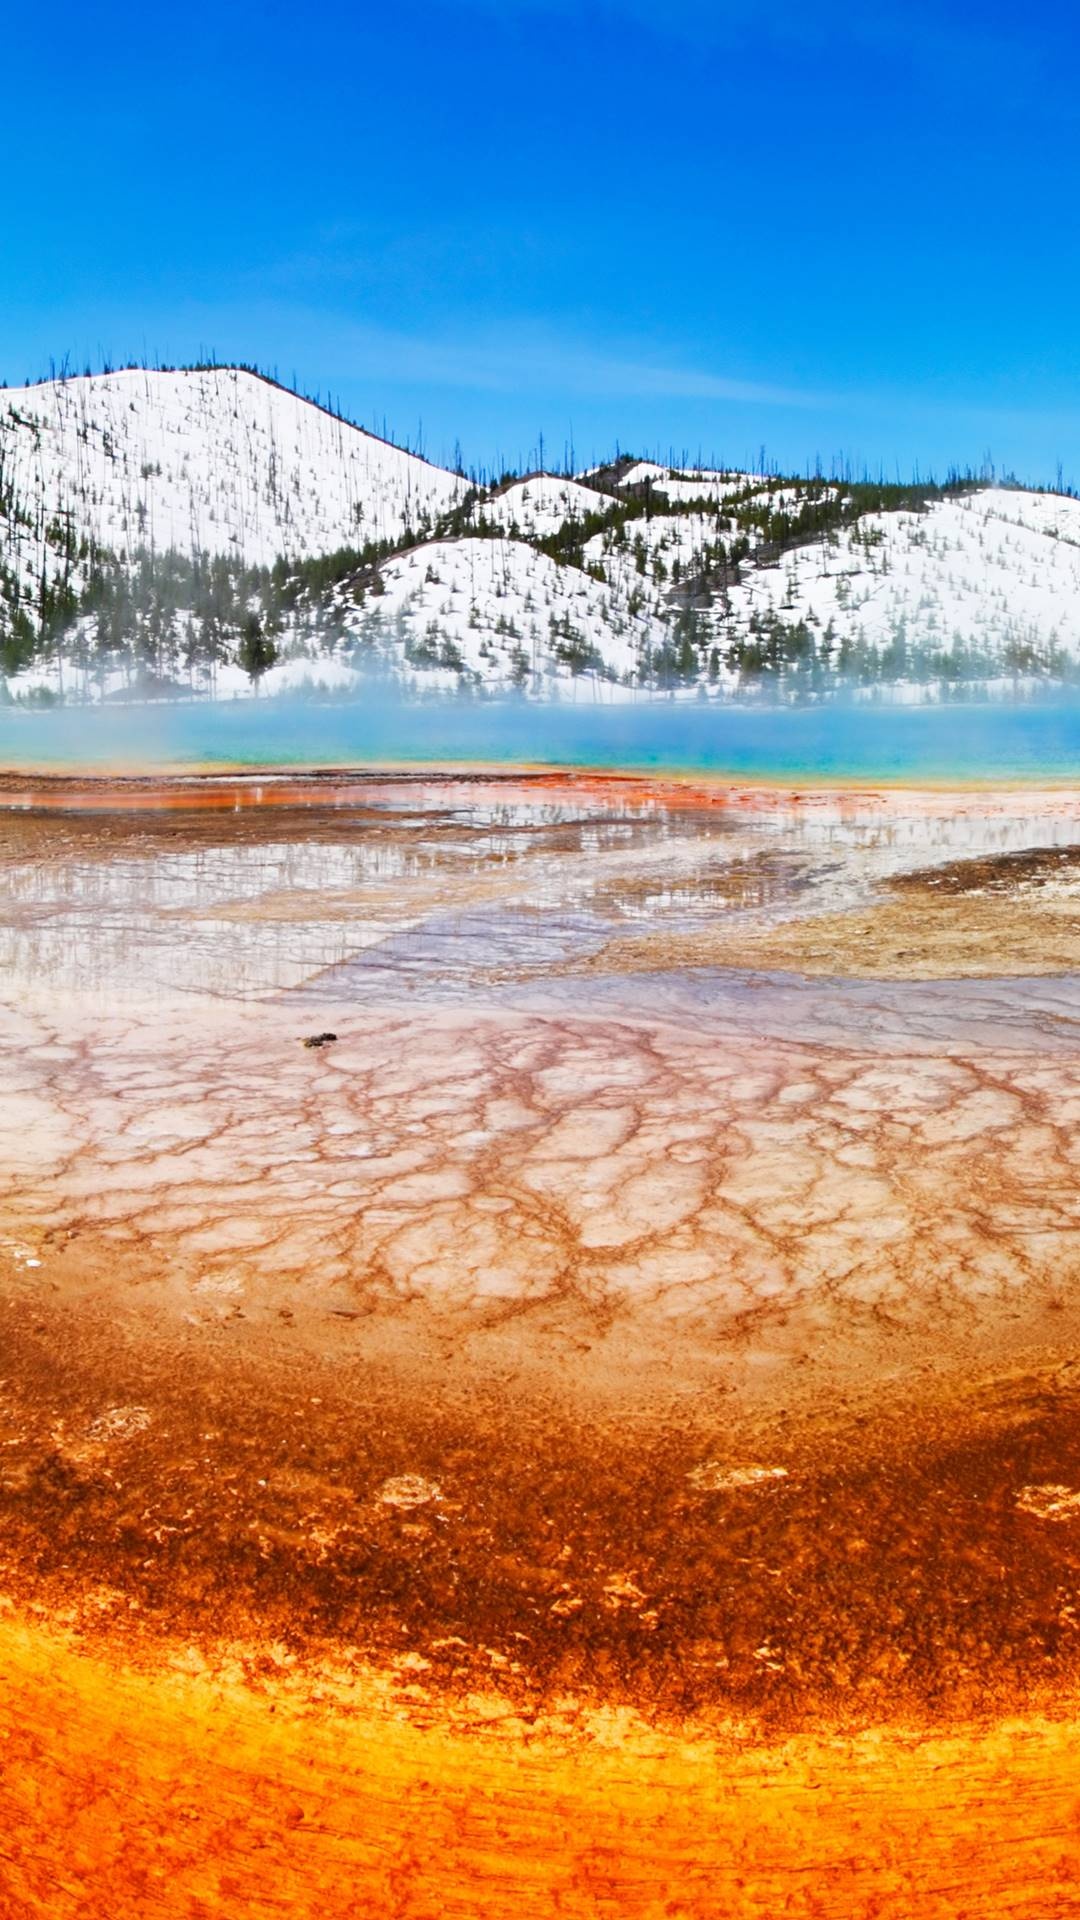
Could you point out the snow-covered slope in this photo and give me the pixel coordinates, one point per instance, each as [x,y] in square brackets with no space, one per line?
[218,461]
[539,506]
[996,571]
[112,487]
[497,609]
[652,555]
[693,483]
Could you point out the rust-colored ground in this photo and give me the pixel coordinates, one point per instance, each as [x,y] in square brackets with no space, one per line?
[135,1795]
[574,1444]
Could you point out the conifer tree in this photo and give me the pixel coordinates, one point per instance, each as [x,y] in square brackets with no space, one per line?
[256,652]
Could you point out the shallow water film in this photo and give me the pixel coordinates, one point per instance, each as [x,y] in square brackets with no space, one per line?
[538,1333]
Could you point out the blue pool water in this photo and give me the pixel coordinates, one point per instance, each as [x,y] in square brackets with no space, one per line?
[976,742]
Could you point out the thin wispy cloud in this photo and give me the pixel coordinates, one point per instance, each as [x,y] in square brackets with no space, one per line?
[564,371]
[517,360]
[529,361]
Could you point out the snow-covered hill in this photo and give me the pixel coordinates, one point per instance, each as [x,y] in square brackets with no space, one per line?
[537,506]
[982,587]
[507,615]
[695,483]
[217,460]
[992,572]
[201,532]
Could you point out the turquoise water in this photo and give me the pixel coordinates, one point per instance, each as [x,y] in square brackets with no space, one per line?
[840,742]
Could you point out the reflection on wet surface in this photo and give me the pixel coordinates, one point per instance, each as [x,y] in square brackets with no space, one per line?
[691,1342]
[269,896]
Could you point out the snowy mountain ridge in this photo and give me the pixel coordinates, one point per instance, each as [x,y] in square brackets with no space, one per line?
[209,532]
[216,460]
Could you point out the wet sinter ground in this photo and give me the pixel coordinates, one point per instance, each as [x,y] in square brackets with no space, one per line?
[596,1436]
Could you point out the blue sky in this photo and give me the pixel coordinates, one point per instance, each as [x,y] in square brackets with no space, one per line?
[820,229]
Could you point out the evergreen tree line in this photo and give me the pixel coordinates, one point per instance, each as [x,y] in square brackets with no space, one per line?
[167,621]
[800,656]
[170,616]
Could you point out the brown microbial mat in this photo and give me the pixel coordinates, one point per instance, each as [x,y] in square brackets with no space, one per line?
[539,1349]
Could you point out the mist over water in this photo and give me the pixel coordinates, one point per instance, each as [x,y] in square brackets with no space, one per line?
[842,741]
